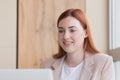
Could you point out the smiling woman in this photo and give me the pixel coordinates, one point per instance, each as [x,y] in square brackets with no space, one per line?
[77,54]
[71,35]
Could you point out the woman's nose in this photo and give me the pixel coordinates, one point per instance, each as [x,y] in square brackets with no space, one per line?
[66,35]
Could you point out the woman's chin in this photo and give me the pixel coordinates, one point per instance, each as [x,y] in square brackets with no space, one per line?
[69,50]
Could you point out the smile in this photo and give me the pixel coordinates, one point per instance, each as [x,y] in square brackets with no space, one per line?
[67,43]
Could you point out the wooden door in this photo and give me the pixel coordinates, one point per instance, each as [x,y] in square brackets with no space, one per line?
[37,34]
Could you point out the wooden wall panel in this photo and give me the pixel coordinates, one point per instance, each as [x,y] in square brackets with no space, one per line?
[37,39]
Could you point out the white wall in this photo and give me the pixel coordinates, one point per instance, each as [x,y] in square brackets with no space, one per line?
[7,34]
[97,12]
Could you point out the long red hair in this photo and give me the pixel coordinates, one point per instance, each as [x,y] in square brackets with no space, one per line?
[88,41]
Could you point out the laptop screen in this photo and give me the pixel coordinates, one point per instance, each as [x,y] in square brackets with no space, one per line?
[26,74]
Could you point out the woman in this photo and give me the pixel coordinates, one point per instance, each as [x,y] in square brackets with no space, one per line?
[78,59]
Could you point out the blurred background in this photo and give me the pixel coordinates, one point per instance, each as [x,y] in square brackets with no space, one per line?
[28,32]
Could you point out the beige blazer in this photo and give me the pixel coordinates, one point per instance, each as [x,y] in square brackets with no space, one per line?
[96,67]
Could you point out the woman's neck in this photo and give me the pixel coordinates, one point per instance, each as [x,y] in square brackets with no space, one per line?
[73,59]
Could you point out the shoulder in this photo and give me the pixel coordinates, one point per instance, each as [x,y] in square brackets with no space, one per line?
[104,63]
[102,59]
[48,62]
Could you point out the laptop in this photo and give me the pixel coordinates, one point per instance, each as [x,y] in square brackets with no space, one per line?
[26,74]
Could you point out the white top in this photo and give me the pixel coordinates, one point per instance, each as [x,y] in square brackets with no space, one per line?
[71,73]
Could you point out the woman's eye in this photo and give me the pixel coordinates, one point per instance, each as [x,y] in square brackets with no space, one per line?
[60,31]
[72,30]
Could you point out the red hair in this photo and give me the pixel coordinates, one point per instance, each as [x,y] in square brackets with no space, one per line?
[88,41]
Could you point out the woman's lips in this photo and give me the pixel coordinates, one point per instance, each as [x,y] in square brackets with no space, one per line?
[67,42]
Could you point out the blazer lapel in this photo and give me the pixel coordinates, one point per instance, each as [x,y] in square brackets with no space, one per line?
[56,67]
[87,69]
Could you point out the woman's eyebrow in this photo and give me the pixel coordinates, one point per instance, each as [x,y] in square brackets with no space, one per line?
[71,27]
[60,28]
[68,27]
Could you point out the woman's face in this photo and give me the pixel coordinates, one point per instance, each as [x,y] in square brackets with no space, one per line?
[71,35]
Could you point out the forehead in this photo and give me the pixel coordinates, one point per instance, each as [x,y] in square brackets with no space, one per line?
[69,22]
